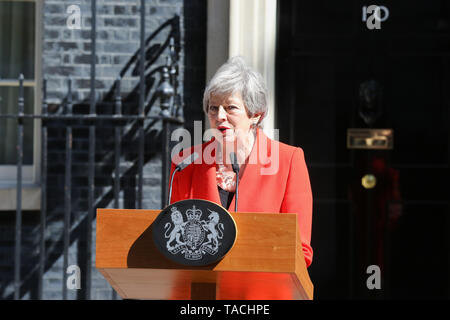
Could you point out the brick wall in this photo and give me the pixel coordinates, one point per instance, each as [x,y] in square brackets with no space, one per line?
[66,53]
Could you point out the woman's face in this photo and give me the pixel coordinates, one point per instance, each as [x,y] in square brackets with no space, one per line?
[228,114]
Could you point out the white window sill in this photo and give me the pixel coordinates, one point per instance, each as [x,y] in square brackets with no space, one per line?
[31,197]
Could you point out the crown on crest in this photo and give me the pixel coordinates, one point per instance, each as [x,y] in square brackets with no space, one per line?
[193,214]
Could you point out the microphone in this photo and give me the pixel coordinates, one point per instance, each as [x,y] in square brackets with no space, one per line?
[235,166]
[181,166]
[187,161]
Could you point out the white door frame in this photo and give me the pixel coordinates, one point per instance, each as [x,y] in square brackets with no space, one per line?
[246,28]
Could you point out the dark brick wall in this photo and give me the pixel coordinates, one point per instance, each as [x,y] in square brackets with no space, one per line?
[66,53]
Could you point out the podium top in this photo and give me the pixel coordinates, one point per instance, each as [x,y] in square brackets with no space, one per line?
[267,257]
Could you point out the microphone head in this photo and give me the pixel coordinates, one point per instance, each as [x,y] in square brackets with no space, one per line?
[234,162]
[187,161]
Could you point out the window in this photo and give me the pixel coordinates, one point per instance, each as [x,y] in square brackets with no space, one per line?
[18,54]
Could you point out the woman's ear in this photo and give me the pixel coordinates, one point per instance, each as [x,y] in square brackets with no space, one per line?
[255,119]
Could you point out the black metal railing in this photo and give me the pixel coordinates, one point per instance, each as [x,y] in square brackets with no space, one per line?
[170,115]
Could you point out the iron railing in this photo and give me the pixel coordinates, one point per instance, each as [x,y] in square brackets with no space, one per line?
[170,116]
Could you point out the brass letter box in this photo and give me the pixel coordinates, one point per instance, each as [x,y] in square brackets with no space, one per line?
[370,138]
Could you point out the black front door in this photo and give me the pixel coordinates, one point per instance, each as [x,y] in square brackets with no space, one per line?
[338,68]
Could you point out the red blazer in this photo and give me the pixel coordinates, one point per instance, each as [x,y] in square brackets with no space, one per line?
[287,191]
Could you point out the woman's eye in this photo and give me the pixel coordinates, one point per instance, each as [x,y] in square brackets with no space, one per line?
[213,108]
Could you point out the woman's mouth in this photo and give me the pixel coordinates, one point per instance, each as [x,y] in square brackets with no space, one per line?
[223,129]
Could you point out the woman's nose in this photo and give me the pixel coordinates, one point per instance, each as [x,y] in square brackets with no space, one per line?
[221,114]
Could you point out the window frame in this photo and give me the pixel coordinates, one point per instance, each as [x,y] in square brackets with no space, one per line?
[31,174]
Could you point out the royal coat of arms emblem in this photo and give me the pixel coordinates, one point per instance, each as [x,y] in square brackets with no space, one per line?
[194,232]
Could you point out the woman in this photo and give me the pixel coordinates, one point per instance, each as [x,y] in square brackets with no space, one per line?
[273,176]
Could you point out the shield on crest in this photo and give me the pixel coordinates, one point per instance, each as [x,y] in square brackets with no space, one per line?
[194,232]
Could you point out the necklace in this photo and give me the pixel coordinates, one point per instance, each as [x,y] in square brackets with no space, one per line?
[225,176]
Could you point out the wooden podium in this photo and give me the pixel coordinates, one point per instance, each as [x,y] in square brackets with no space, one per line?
[265,263]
